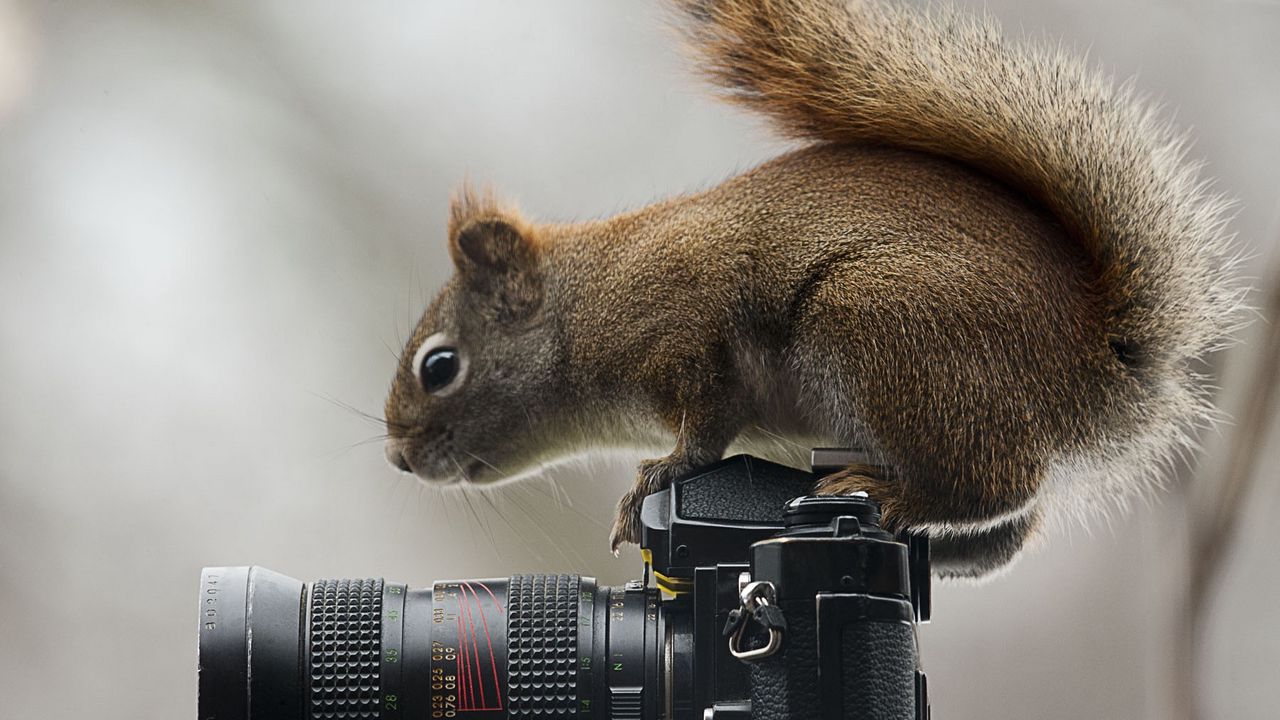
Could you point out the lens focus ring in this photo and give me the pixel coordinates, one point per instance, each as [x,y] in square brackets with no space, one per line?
[542,645]
[345,645]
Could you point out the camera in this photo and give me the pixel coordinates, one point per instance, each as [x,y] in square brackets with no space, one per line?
[758,601]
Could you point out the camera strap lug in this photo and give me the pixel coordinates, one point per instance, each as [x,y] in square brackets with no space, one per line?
[757,606]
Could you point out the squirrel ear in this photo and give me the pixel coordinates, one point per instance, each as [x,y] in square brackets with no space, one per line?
[496,253]
[492,246]
[487,238]
[496,258]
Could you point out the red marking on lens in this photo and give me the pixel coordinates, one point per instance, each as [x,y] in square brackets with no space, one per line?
[493,662]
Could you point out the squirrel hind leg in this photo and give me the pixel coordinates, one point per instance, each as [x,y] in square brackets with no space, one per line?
[920,362]
[970,553]
[933,500]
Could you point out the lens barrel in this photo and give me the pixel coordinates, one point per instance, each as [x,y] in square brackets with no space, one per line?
[272,647]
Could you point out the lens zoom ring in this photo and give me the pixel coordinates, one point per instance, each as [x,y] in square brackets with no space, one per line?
[346,639]
[542,645]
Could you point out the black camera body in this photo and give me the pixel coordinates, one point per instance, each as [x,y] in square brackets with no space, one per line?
[769,604]
[849,595]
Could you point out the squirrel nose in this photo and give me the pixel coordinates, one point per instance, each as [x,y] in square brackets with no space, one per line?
[396,456]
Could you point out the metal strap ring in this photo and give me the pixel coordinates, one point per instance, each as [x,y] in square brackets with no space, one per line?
[754,595]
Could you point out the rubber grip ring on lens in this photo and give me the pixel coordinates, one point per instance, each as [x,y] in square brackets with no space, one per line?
[345,639]
[542,645]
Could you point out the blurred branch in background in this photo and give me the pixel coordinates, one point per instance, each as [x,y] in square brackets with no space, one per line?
[17,55]
[1216,513]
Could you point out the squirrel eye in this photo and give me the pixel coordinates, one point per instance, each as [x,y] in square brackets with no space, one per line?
[438,369]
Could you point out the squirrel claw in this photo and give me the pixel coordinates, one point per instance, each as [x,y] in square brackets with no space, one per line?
[626,527]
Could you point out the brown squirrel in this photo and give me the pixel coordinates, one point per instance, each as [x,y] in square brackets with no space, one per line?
[989,265]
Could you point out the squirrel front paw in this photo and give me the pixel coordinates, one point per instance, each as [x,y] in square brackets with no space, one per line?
[654,475]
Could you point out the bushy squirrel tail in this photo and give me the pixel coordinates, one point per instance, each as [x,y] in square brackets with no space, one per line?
[1038,118]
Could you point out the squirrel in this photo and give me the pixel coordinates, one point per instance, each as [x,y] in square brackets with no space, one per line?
[986,263]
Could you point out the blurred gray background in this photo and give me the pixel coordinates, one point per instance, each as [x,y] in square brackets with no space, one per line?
[218,221]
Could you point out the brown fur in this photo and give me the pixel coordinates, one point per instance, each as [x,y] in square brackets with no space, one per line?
[918,282]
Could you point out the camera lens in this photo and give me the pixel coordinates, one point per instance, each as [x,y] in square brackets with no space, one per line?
[526,646]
